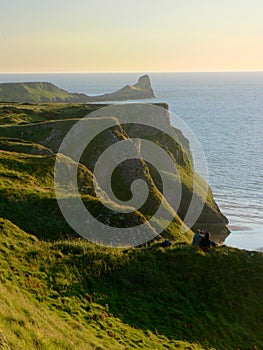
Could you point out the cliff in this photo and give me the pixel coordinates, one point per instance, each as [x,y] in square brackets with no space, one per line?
[67,293]
[41,132]
[38,92]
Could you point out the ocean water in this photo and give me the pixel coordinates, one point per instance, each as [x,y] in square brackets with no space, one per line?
[225,112]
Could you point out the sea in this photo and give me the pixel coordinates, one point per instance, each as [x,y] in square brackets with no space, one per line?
[225,113]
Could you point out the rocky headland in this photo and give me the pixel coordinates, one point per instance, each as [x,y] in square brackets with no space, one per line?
[59,291]
[39,92]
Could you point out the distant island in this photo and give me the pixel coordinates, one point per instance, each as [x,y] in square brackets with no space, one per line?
[41,92]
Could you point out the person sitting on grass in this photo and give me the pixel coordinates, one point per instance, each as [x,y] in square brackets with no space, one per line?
[197,237]
[206,243]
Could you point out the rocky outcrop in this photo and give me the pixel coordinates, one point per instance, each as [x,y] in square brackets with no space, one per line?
[39,92]
[141,90]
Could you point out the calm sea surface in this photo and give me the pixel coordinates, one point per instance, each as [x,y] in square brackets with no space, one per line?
[225,112]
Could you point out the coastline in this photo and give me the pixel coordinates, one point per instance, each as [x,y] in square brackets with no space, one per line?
[191,97]
[242,237]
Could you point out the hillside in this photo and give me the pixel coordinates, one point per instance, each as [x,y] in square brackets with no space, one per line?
[59,291]
[39,92]
[49,134]
[76,295]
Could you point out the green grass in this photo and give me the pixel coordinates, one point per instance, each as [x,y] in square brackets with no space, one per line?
[46,302]
[73,294]
[11,113]
[54,121]
[37,92]
[28,199]
[58,291]
[22,146]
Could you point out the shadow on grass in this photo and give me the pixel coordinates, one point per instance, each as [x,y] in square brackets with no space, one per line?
[180,293]
[215,298]
[38,216]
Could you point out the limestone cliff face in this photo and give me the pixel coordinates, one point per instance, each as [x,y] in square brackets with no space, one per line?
[50,134]
[38,92]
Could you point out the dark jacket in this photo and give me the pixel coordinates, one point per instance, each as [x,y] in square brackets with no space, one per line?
[206,243]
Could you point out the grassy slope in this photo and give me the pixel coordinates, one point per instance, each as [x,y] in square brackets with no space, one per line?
[11,113]
[34,315]
[27,194]
[71,294]
[27,197]
[37,92]
[75,295]
[52,127]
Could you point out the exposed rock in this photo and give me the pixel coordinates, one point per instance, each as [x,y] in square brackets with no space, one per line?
[51,133]
[142,89]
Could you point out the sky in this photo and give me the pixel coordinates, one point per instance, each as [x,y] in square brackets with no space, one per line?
[131,35]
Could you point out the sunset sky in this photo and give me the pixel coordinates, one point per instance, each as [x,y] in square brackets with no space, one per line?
[131,35]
